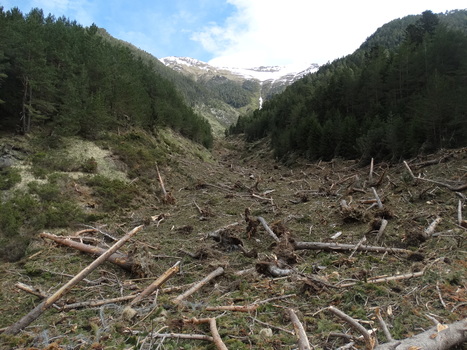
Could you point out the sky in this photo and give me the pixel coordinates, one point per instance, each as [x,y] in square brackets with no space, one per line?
[240,33]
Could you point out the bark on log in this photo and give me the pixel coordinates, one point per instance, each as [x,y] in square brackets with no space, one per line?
[39,309]
[435,338]
[119,259]
[343,247]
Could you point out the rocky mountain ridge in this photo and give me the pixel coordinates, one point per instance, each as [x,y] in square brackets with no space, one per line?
[287,74]
[259,83]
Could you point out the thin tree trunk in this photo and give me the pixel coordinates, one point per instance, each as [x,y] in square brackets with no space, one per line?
[39,309]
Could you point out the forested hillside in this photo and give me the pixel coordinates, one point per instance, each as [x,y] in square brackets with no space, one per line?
[390,99]
[64,77]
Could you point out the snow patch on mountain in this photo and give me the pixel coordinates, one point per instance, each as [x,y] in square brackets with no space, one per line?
[262,73]
[265,73]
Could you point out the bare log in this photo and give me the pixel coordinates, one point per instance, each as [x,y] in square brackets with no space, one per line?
[268,229]
[271,269]
[370,176]
[383,325]
[460,221]
[440,337]
[157,283]
[455,188]
[359,244]
[96,303]
[378,200]
[217,233]
[345,247]
[172,335]
[239,308]
[39,309]
[384,223]
[168,198]
[385,279]
[431,229]
[303,343]
[370,341]
[119,259]
[217,272]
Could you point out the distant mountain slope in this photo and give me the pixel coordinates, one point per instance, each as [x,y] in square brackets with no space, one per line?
[220,94]
[242,88]
[400,94]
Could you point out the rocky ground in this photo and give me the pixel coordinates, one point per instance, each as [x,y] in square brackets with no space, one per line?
[211,219]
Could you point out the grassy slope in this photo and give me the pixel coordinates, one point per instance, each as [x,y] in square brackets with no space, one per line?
[306,201]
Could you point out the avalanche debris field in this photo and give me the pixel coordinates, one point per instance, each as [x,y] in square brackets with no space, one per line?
[280,237]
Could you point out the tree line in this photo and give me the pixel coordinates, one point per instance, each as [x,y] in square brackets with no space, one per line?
[57,74]
[383,102]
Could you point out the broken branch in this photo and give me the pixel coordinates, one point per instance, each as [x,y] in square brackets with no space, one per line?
[303,343]
[341,246]
[213,327]
[455,188]
[239,308]
[384,279]
[369,340]
[217,272]
[268,229]
[157,283]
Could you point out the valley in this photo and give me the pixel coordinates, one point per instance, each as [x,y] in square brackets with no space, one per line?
[212,223]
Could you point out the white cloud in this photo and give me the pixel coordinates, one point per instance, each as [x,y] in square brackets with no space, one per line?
[273,32]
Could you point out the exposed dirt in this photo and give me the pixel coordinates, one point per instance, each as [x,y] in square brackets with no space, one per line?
[214,223]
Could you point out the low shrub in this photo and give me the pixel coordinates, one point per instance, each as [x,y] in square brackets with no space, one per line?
[9,177]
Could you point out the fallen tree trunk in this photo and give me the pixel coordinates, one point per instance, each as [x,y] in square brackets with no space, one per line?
[157,283]
[119,259]
[217,272]
[39,309]
[458,187]
[341,246]
[440,337]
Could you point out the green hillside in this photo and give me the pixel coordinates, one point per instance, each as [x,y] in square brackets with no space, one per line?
[401,93]
[61,76]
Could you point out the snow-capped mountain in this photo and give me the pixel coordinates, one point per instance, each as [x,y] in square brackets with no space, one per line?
[224,93]
[286,74]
